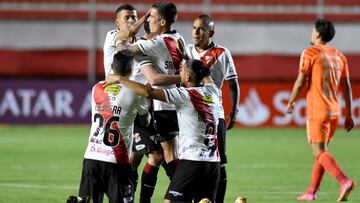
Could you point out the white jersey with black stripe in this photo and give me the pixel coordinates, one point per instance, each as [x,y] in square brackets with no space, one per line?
[167,59]
[219,60]
[196,109]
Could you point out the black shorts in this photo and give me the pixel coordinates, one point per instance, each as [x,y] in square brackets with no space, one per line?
[166,125]
[144,138]
[221,135]
[194,180]
[99,178]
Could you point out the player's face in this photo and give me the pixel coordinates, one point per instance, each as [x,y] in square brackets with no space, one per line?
[155,21]
[125,18]
[314,36]
[200,34]
[184,72]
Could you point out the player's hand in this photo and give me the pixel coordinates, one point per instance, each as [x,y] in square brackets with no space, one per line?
[349,123]
[232,120]
[182,49]
[147,14]
[290,107]
[110,79]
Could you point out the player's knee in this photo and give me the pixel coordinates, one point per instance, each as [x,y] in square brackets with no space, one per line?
[155,159]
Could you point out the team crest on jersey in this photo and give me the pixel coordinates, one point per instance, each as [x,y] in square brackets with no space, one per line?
[112,89]
[207,99]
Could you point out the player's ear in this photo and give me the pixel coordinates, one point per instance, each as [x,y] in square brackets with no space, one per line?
[188,77]
[211,33]
[163,22]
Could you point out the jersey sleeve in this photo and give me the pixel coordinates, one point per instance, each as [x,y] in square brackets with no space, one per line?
[177,96]
[142,61]
[151,47]
[109,50]
[229,66]
[142,107]
[305,63]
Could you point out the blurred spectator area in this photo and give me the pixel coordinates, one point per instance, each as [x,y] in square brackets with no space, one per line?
[44,39]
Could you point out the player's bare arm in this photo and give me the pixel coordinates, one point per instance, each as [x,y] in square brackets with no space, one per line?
[346,88]
[235,96]
[138,88]
[298,86]
[124,44]
[156,78]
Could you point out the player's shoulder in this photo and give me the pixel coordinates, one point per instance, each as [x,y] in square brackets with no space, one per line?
[172,34]
[338,53]
[311,51]
[112,32]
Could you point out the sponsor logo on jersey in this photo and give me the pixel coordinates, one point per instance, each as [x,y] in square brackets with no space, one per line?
[207,99]
[175,193]
[112,89]
[140,147]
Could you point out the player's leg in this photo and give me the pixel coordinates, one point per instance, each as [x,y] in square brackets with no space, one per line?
[209,182]
[221,135]
[119,186]
[317,174]
[90,185]
[135,161]
[322,134]
[169,149]
[185,182]
[149,175]
[144,143]
[168,129]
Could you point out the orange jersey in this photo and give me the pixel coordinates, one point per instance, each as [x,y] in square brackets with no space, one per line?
[324,66]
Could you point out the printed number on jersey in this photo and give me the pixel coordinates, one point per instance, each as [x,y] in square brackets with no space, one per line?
[111,134]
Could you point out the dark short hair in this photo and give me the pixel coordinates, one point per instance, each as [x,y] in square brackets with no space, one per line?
[326,29]
[209,23]
[125,7]
[167,11]
[198,68]
[122,62]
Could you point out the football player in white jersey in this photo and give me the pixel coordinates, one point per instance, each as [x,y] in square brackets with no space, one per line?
[218,59]
[167,58]
[106,165]
[127,27]
[198,171]
[144,143]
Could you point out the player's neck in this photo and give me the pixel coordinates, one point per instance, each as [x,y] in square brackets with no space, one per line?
[205,47]
[166,29]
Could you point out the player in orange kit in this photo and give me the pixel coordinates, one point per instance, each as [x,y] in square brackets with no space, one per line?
[324,69]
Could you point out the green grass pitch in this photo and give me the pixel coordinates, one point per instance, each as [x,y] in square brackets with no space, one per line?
[42,164]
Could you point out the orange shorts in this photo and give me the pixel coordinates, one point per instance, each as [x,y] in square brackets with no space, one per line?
[321,130]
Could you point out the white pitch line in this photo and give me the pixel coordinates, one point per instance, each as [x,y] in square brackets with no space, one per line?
[32,186]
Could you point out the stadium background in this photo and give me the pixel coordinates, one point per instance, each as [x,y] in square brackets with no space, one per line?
[51,51]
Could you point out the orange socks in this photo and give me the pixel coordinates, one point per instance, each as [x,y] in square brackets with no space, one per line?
[316,177]
[330,166]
